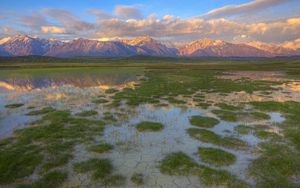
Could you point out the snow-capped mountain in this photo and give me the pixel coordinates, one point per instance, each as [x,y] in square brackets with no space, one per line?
[25,45]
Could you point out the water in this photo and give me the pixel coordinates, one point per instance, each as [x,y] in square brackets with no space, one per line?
[134,152]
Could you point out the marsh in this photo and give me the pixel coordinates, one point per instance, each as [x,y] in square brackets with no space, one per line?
[150,125]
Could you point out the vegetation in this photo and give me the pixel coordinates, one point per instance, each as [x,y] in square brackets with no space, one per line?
[101,148]
[137,178]
[234,116]
[225,106]
[41,111]
[211,137]
[47,144]
[204,122]
[146,126]
[243,129]
[101,168]
[17,105]
[180,164]
[216,157]
[87,113]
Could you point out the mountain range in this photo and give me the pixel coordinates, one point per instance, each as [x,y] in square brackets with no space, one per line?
[21,45]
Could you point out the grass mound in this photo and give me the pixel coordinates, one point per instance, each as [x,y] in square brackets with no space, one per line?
[16,105]
[210,137]
[216,156]
[205,122]
[146,126]
[101,148]
[181,164]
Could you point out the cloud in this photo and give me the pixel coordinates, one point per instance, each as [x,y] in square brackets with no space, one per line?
[196,28]
[243,9]
[292,44]
[100,14]
[33,21]
[168,17]
[68,20]
[9,30]
[127,12]
[53,30]
[125,22]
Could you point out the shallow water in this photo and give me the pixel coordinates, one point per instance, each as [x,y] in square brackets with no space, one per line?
[134,152]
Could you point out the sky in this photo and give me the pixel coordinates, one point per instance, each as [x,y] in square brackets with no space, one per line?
[270,21]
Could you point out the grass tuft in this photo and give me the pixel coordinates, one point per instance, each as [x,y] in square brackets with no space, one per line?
[216,156]
[146,126]
[204,122]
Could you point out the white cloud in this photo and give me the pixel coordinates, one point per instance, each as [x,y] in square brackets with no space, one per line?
[251,7]
[53,30]
[127,12]
[168,17]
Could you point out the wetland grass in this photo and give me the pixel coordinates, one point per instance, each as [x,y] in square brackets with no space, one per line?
[204,122]
[15,105]
[147,126]
[87,113]
[180,164]
[137,178]
[216,156]
[101,148]
[41,111]
[213,138]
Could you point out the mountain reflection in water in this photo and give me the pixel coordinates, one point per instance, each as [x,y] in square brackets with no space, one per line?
[27,82]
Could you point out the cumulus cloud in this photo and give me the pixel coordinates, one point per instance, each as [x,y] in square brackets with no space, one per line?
[53,30]
[251,7]
[127,21]
[127,12]
[195,28]
[292,44]
[168,17]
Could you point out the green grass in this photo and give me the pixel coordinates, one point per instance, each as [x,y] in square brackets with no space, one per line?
[243,129]
[276,166]
[137,178]
[111,91]
[100,168]
[147,126]
[163,83]
[41,111]
[101,148]
[225,106]
[48,144]
[262,134]
[204,122]
[177,164]
[213,138]
[216,156]
[180,164]
[87,113]
[18,161]
[108,116]
[203,105]
[16,105]
[114,180]
[100,101]
[50,180]
[233,116]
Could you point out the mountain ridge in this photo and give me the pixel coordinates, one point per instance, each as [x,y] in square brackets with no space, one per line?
[23,45]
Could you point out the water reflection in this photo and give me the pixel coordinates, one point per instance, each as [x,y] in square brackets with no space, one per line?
[99,79]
